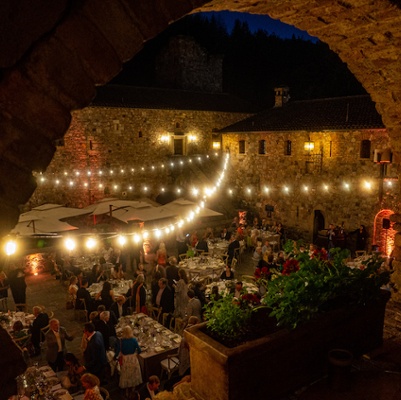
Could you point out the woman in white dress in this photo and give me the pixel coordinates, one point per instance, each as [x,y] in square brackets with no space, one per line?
[181,298]
[127,350]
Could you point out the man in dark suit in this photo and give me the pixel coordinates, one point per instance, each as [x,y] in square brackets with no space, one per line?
[95,353]
[150,389]
[234,244]
[172,271]
[55,340]
[41,320]
[102,326]
[165,297]
[83,293]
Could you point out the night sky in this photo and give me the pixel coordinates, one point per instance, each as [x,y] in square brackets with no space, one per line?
[256,22]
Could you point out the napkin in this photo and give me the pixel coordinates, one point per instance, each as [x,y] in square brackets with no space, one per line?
[48,374]
[158,349]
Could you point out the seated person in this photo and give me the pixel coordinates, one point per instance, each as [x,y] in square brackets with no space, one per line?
[72,381]
[238,290]
[227,274]
[106,295]
[19,332]
[117,272]
[83,293]
[120,307]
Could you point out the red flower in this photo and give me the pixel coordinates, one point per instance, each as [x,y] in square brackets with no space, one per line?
[290,266]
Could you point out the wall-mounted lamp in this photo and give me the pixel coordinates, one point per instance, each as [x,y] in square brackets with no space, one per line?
[165,138]
[192,138]
[216,145]
[309,146]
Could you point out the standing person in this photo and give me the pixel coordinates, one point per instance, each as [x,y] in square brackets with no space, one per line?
[234,244]
[106,295]
[330,237]
[91,384]
[161,255]
[150,389]
[55,340]
[181,298]
[41,320]
[165,298]
[18,286]
[83,293]
[194,306]
[137,295]
[95,353]
[172,271]
[361,238]
[157,274]
[4,285]
[127,349]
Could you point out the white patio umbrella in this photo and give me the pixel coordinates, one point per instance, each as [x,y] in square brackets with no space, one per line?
[41,225]
[182,207]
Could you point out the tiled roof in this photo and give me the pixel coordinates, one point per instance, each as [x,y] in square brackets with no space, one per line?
[168,99]
[348,113]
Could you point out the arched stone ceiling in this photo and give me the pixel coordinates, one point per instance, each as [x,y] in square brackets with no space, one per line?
[54,53]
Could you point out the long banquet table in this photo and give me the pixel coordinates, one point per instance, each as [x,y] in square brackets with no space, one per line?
[155,340]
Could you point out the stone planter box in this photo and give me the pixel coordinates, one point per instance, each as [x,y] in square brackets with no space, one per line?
[283,361]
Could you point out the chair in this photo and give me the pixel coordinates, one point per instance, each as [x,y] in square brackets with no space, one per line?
[82,312]
[105,393]
[165,318]
[51,315]
[154,312]
[169,365]
[21,307]
[179,326]
[234,262]
[182,256]
[43,344]
[23,342]
[4,304]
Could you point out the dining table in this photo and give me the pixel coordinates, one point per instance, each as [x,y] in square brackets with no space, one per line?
[7,319]
[198,268]
[41,383]
[217,247]
[119,286]
[155,340]
[225,287]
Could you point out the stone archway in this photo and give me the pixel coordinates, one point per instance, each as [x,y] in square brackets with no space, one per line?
[383,235]
[53,54]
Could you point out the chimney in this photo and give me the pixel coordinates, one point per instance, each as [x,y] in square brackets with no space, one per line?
[281,96]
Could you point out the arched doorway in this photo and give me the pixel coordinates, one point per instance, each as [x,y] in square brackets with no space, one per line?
[318,224]
[383,233]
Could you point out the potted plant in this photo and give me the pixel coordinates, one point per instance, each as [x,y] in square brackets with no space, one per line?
[305,313]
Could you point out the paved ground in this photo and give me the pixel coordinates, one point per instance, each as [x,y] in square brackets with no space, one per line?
[376,376]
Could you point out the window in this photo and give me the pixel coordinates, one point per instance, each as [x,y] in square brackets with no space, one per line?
[287,147]
[262,146]
[241,147]
[365,149]
[179,146]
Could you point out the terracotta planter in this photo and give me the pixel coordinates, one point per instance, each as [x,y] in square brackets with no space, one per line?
[274,365]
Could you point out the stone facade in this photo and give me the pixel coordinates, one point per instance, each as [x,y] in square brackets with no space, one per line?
[126,139]
[315,179]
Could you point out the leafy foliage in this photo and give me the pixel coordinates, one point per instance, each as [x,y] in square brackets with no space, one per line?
[227,319]
[320,285]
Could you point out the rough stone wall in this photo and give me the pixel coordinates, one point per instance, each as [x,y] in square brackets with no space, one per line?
[121,139]
[334,162]
[183,64]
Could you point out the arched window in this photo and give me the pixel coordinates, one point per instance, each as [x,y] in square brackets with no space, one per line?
[241,146]
[262,146]
[365,149]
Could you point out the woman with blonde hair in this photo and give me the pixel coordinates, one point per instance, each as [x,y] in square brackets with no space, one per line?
[73,289]
[91,384]
[127,350]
